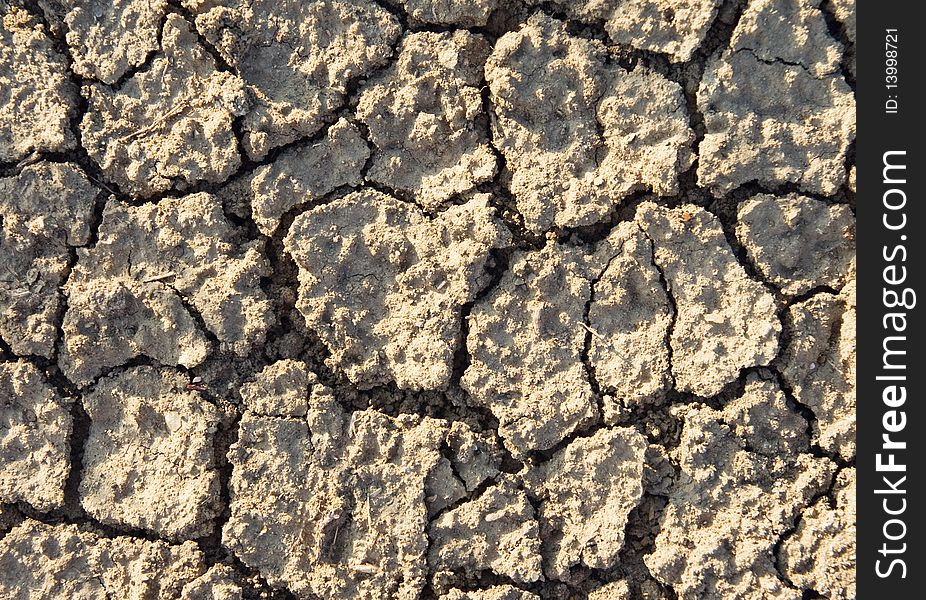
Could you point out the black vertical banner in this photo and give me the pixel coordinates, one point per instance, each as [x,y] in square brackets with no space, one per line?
[891,370]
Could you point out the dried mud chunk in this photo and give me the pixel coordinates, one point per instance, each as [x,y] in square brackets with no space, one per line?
[43,210]
[426,119]
[110,322]
[387,298]
[641,149]
[148,462]
[762,418]
[586,493]
[170,126]
[334,505]
[35,429]
[386,491]
[525,342]
[578,134]
[45,562]
[462,13]
[280,389]
[725,321]
[629,317]
[728,509]
[790,32]
[109,37]
[797,242]
[820,555]
[218,583]
[269,498]
[616,590]
[496,531]
[675,28]
[498,592]
[775,124]
[297,58]
[156,270]
[306,174]
[475,455]
[844,11]
[819,365]
[776,108]
[38,98]
[442,488]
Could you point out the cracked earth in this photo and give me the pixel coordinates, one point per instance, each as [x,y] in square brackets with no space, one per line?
[440,299]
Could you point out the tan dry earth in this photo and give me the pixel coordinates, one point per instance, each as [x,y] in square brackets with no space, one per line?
[439,299]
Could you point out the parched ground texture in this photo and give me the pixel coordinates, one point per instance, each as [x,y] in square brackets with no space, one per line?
[439,299]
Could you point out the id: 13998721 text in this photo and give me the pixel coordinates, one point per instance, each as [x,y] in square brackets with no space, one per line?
[891,72]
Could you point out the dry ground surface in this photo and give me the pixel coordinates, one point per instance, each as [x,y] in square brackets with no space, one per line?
[444,299]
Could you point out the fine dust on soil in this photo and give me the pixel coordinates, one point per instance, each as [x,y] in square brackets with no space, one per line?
[440,299]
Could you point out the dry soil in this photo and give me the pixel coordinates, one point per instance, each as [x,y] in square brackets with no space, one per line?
[439,299]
